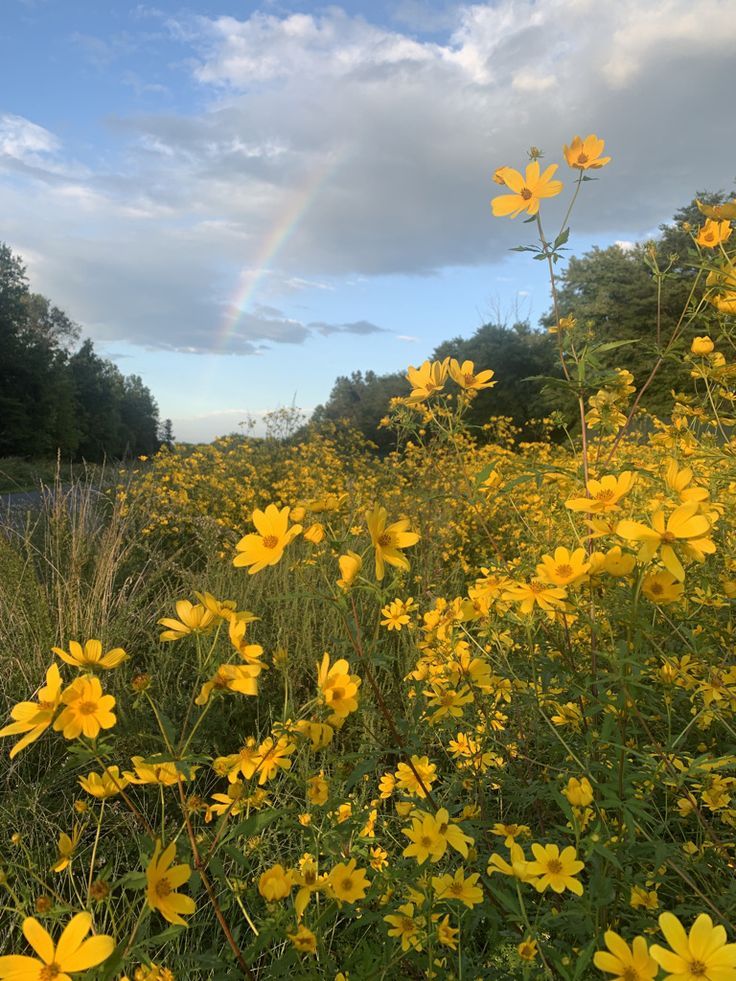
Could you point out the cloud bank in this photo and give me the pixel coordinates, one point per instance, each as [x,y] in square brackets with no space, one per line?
[326,146]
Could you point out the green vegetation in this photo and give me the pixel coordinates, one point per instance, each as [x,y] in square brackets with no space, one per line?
[55,397]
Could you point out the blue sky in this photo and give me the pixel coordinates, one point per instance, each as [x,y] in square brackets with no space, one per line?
[240,202]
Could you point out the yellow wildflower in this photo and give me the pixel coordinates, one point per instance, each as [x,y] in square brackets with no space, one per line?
[91,656]
[163,880]
[267,545]
[527,190]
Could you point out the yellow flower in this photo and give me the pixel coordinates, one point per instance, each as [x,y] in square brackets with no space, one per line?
[618,563]
[446,934]
[702,345]
[87,709]
[406,777]
[66,848]
[527,949]
[388,540]
[165,774]
[517,868]
[579,793]
[662,588]
[267,546]
[339,688]
[406,927]
[528,190]
[350,566]
[105,784]
[379,858]
[535,593]
[556,869]
[91,656]
[643,899]
[231,677]
[224,609]
[685,525]
[163,880]
[467,378]
[713,233]
[34,718]
[701,955]
[309,882]
[426,380]
[449,887]
[397,614]
[604,494]
[679,481]
[564,567]
[348,883]
[315,533]
[509,832]
[55,962]
[275,883]
[318,789]
[193,618]
[586,154]
[251,653]
[426,841]
[271,757]
[319,733]
[303,940]
[627,964]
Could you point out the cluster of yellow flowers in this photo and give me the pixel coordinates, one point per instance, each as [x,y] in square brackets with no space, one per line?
[481,725]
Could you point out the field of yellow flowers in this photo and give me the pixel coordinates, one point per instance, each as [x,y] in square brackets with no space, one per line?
[290,709]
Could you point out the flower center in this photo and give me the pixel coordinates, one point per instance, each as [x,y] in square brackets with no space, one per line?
[456,889]
[270,541]
[656,588]
[49,972]
[468,378]
[525,193]
[163,888]
[604,495]
[443,828]
[554,866]
[384,540]
[425,841]
[346,885]
[564,570]
[87,708]
[669,537]
[337,694]
[536,586]
[698,969]
[630,974]
[407,925]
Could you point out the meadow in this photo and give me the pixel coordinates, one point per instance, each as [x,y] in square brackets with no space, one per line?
[465,710]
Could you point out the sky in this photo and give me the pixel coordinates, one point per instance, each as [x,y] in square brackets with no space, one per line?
[240,202]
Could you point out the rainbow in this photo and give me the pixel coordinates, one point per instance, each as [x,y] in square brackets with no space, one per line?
[296,207]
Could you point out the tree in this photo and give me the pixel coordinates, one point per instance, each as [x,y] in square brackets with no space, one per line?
[362,400]
[613,292]
[53,399]
[516,354]
[166,434]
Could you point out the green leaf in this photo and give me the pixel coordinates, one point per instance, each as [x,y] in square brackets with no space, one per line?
[484,474]
[561,238]
[255,823]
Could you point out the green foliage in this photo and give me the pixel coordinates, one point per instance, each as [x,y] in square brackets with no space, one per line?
[613,293]
[53,400]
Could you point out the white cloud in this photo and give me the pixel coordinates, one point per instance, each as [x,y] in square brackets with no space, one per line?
[24,140]
[328,149]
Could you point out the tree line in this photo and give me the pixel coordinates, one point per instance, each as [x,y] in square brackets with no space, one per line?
[60,396]
[612,291]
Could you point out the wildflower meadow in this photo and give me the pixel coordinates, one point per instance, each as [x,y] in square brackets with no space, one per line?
[465,710]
